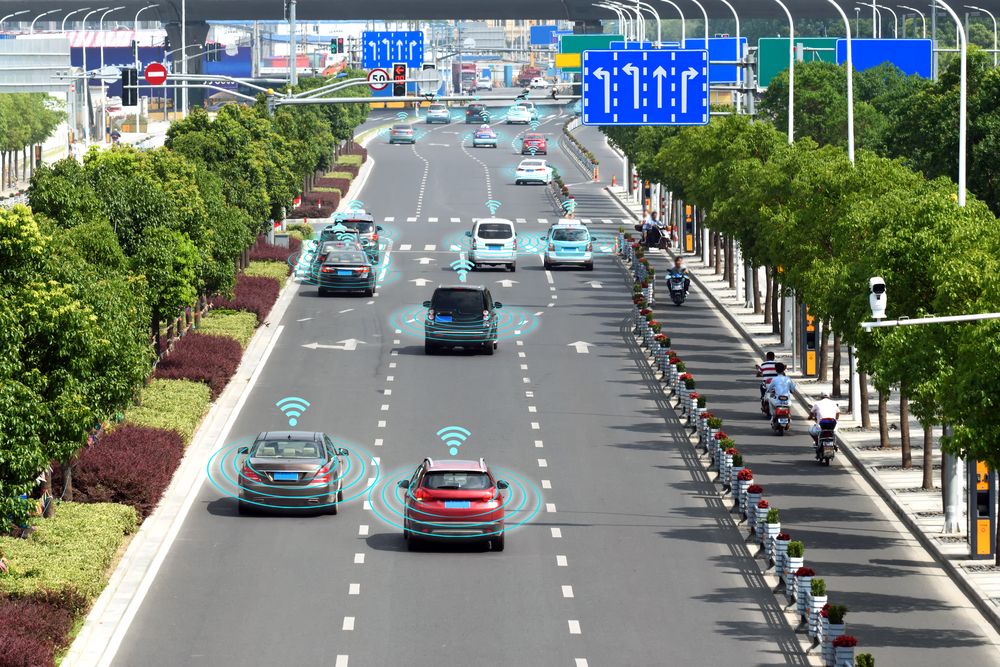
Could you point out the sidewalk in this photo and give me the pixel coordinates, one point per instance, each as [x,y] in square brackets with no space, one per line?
[919,510]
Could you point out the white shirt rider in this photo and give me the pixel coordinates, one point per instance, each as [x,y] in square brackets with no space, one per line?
[781,385]
[825,408]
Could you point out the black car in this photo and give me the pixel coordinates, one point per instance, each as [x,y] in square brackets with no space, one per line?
[291,470]
[476,113]
[461,316]
[364,224]
[346,271]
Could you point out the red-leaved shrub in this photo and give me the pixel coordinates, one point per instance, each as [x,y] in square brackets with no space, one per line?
[205,358]
[131,465]
[254,294]
[311,211]
[31,631]
[264,251]
[349,168]
[342,184]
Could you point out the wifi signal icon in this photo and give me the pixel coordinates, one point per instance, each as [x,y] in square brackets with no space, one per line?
[453,437]
[534,125]
[492,205]
[462,267]
[569,205]
[344,236]
[401,116]
[355,205]
[532,150]
[292,407]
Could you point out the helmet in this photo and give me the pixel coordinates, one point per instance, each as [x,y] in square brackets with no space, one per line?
[824,396]
[484,126]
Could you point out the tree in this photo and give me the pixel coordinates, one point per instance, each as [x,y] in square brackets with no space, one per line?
[62,192]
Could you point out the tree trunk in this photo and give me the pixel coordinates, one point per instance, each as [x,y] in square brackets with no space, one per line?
[866,413]
[835,367]
[824,351]
[157,343]
[67,469]
[904,428]
[776,305]
[768,296]
[755,287]
[718,254]
[13,174]
[730,269]
[928,482]
[883,419]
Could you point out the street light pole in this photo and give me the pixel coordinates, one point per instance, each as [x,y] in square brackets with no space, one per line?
[293,56]
[86,76]
[659,28]
[31,28]
[923,19]
[704,15]
[23,11]
[621,18]
[683,22]
[850,82]
[135,27]
[994,18]
[962,98]
[791,72]
[184,89]
[104,87]
[739,55]
[895,21]
[62,26]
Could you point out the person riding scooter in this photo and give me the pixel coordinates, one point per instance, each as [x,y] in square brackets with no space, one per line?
[825,413]
[766,371]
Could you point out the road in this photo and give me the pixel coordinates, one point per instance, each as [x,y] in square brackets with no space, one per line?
[631,559]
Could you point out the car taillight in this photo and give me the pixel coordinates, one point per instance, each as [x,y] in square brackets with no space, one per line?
[421,496]
[515,244]
[430,314]
[322,475]
[248,474]
[327,269]
[590,246]
[374,237]
[486,314]
[552,246]
[363,270]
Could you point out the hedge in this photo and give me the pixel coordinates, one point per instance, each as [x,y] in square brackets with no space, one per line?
[236,324]
[321,188]
[70,552]
[312,211]
[319,198]
[346,175]
[203,358]
[341,183]
[176,405]
[305,229]
[262,250]
[132,465]
[273,270]
[350,160]
[31,631]
[253,294]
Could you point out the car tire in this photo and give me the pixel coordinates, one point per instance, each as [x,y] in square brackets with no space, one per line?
[488,348]
[548,264]
[430,348]
[589,267]
[321,291]
[497,543]
[412,543]
[370,291]
[244,509]
[512,267]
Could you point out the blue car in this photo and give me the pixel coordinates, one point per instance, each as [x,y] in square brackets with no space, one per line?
[569,242]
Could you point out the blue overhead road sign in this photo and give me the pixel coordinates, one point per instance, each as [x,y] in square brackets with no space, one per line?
[913,56]
[543,35]
[383,48]
[719,49]
[661,87]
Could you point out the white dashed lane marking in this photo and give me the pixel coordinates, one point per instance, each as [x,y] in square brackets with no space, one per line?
[538,443]
[561,561]
[556,532]
[342,661]
[535,426]
[542,463]
[574,627]
[550,508]
[349,623]
[378,442]
[567,591]
[405,246]
[359,559]
[355,589]
[363,529]
[546,484]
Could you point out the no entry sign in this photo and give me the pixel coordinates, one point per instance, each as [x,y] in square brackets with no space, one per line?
[378,79]
[155,74]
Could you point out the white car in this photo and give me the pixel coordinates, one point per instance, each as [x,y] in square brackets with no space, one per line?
[533,171]
[518,114]
[484,83]
[530,106]
[438,113]
[539,82]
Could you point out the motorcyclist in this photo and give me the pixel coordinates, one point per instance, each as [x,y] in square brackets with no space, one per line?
[679,269]
[652,233]
[766,371]
[823,410]
[781,385]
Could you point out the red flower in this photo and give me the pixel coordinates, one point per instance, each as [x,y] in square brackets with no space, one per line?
[825,611]
[744,475]
[660,337]
[784,536]
[675,360]
[721,435]
[645,311]
[685,376]
[755,488]
[706,415]
[732,451]
[763,504]
[805,572]
[654,323]
[845,641]
[693,394]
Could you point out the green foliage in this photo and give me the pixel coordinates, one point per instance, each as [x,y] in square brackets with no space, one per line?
[836,613]
[275,270]
[350,160]
[240,325]
[27,119]
[342,118]
[70,552]
[796,549]
[864,660]
[304,229]
[341,174]
[772,516]
[63,193]
[169,262]
[817,587]
[320,188]
[176,405]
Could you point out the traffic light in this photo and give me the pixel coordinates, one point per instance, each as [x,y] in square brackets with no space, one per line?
[399,79]
[333,45]
[130,92]
[340,45]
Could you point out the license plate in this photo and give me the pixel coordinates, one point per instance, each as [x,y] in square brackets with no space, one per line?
[782,421]
[342,272]
[457,504]
[444,318]
[286,477]
[493,246]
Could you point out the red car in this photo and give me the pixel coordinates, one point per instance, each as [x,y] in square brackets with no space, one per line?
[536,141]
[454,500]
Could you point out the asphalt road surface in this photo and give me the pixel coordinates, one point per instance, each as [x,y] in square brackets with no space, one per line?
[631,558]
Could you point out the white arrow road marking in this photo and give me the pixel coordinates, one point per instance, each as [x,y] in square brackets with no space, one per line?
[420,282]
[595,284]
[686,76]
[581,346]
[603,74]
[425,260]
[633,71]
[507,282]
[441,145]
[659,73]
[349,345]
[304,319]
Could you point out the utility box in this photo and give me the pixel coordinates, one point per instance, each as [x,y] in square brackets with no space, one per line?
[982,511]
[809,345]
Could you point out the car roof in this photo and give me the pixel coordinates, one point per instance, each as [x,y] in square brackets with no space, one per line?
[532,161]
[350,216]
[401,126]
[290,435]
[463,465]
[503,221]
[461,288]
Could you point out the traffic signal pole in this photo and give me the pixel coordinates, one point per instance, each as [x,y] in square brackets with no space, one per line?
[293,75]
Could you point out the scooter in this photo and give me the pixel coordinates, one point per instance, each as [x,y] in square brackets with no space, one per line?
[765,404]
[676,284]
[826,441]
[781,416]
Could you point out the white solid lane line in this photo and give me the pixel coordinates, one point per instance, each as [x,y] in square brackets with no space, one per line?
[567,591]
[349,624]
[574,627]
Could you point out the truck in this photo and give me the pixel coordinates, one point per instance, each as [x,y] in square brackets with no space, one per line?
[463,77]
[527,73]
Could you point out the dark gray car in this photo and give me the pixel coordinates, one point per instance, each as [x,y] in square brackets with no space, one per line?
[291,470]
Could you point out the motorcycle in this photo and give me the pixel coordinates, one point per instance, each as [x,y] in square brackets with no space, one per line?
[781,415]
[765,404]
[676,284]
[826,441]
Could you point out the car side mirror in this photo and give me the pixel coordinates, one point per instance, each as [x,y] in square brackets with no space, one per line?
[427,304]
[502,484]
[497,304]
[404,484]
[378,228]
[468,233]
[342,452]
[243,450]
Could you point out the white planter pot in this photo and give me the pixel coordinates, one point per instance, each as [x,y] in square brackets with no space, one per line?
[830,633]
[813,606]
[734,470]
[771,531]
[780,550]
[791,566]
[843,656]
[725,465]
[760,521]
[801,587]
[750,509]
[741,493]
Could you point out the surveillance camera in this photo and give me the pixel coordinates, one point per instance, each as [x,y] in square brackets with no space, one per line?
[877,297]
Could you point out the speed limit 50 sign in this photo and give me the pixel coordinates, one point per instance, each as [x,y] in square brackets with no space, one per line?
[378,79]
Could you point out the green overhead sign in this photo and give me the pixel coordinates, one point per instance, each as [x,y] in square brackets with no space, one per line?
[772,54]
[579,43]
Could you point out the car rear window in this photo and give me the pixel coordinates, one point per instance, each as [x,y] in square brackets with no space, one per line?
[457,480]
[570,235]
[533,164]
[288,449]
[363,226]
[533,137]
[437,107]
[341,257]
[494,230]
[466,302]
[400,127]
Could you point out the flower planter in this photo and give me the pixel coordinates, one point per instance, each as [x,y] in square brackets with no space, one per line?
[780,549]
[791,565]
[830,631]
[814,603]
[843,656]
[771,531]
[750,509]
[800,589]
[725,464]
[741,494]
[733,482]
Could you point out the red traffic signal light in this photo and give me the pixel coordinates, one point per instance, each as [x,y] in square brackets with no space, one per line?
[399,79]
[340,45]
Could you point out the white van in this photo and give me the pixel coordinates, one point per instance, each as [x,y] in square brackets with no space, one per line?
[494,242]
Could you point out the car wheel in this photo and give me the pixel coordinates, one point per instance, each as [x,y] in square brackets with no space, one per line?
[412,543]
[548,264]
[430,348]
[321,291]
[512,267]
[370,291]
[244,509]
[590,267]
[496,544]
[517,182]
[488,348]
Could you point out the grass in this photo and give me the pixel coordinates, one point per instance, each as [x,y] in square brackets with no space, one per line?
[236,324]
[274,270]
[320,188]
[72,551]
[350,159]
[175,405]
[340,174]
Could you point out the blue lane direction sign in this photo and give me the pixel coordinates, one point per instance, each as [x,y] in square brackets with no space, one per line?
[656,87]
[913,56]
[629,46]
[382,48]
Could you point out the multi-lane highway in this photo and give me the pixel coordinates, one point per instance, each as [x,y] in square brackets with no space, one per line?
[631,558]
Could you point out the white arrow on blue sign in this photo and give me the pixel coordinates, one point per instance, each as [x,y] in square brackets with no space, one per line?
[654,87]
[382,48]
